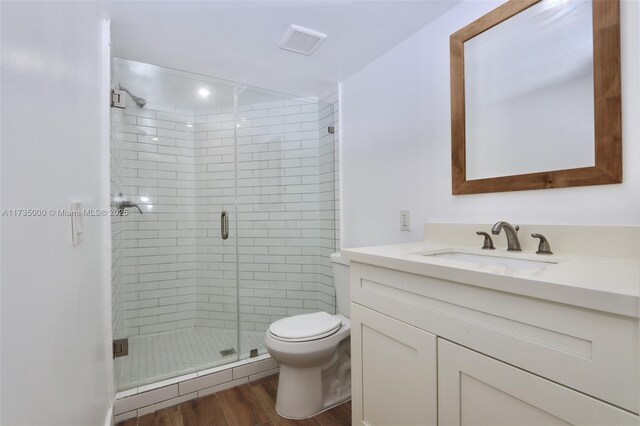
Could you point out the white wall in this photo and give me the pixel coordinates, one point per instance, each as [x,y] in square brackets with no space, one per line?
[396,146]
[55,359]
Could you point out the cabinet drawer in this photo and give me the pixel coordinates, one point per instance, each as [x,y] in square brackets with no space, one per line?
[474,389]
[592,352]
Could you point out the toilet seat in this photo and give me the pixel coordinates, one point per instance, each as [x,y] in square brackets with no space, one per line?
[305,327]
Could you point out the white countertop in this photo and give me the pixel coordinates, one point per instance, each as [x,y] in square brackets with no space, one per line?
[601,283]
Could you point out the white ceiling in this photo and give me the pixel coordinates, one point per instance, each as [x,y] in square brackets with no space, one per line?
[238,40]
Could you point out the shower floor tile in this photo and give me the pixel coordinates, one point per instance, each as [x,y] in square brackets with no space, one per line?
[161,356]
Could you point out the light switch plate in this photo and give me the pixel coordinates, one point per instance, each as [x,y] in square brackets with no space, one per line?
[77,225]
[405,220]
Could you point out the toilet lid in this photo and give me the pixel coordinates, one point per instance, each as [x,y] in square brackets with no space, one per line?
[305,326]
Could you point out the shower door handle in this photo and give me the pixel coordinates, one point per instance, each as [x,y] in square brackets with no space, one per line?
[224,225]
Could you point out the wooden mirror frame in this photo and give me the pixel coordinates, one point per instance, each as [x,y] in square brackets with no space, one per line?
[607,107]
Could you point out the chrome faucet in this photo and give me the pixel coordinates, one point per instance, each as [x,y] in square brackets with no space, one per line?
[513,244]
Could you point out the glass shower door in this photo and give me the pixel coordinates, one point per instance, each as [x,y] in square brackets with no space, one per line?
[236,188]
[216,232]
[285,210]
[174,276]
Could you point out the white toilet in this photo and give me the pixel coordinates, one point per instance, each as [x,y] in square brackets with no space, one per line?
[314,353]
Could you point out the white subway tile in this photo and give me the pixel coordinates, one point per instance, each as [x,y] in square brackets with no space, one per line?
[223,386]
[171,402]
[145,399]
[205,381]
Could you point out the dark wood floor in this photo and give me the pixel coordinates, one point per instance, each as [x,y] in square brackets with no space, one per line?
[246,405]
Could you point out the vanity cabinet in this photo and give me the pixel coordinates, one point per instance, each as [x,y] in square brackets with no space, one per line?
[426,350]
[397,370]
[478,390]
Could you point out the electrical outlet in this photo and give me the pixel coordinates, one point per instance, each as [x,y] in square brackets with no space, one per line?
[405,220]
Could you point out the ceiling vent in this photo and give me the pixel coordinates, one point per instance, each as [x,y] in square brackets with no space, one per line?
[301,40]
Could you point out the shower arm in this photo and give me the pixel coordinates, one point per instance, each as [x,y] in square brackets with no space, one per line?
[128,91]
[141,102]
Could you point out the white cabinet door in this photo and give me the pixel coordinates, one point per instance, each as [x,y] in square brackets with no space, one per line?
[394,372]
[474,389]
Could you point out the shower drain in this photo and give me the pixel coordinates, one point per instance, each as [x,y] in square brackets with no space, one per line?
[227,352]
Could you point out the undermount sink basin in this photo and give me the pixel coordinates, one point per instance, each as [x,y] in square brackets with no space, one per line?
[483,260]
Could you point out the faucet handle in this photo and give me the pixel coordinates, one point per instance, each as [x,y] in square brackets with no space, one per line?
[488,242]
[126,204]
[543,246]
[121,203]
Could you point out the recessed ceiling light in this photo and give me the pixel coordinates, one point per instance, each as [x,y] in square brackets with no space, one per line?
[189,125]
[155,139]
[204,92]
[144,199]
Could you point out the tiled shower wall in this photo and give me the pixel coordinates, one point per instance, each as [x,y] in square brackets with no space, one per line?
[278,211]
[278,220]
[158,246]
[171,268]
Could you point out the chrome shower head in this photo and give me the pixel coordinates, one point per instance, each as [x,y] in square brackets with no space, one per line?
[141,102]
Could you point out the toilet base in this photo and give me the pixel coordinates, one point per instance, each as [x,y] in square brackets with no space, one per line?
[299,392]
[306,392]
[320,412]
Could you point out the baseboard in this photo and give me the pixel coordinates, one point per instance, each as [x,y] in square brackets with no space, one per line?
[108,420]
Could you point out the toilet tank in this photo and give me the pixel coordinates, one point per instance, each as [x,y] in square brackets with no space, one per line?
[342,284]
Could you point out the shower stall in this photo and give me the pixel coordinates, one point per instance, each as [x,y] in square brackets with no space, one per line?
[235,186]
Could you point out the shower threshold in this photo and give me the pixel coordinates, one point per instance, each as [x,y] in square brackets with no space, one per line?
[137,402]
[156,357]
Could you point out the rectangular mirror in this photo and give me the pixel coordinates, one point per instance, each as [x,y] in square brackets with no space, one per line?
[536,97]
